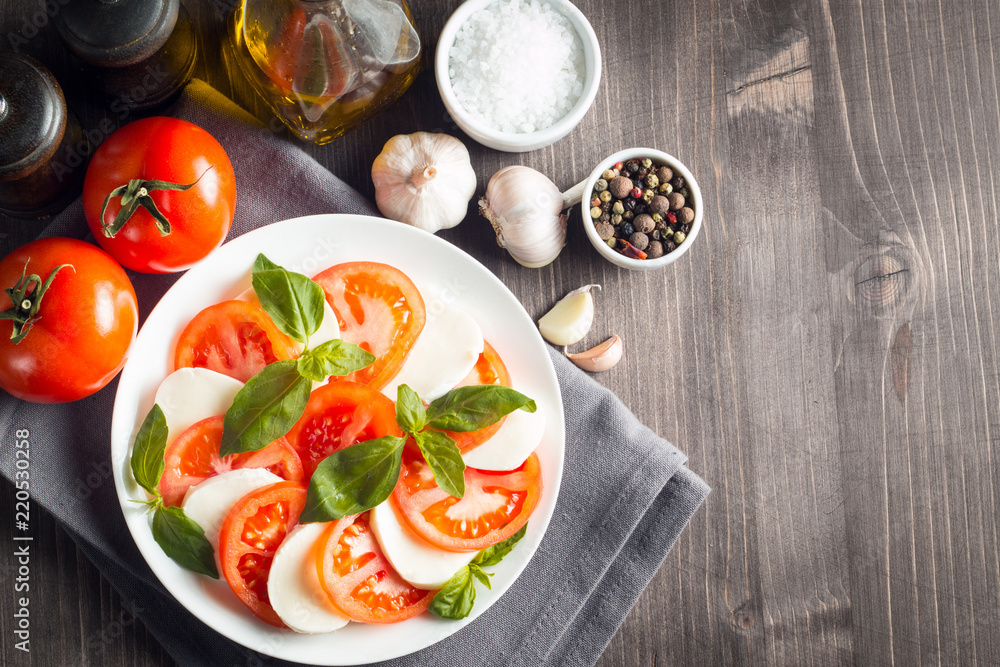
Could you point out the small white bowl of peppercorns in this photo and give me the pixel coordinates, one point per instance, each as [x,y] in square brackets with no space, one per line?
[641,208]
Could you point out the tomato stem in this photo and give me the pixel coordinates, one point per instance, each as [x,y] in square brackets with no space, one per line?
[26,300]
[136,193]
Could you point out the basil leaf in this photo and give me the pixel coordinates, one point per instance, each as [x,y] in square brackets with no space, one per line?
[410,413]
[294,302]
[265,408]
[442,455]
[334,357]
[147,452]
[184,541]
[353,480]
[456,598]
[481,575]
[472,408]
[494,554]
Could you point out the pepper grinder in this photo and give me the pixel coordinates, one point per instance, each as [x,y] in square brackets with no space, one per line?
[41,168]
[140,52]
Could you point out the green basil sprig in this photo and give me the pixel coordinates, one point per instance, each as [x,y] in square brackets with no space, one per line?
[457,597]
[359,477]
[272,401]
[181,539]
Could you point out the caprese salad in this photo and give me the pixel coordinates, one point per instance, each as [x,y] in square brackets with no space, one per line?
[338,452]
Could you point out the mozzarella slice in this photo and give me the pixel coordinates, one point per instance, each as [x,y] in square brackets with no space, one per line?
[208,503]
[511,444]
[189,395]
[447,349]
[419,563]
[293,586]
[328,330]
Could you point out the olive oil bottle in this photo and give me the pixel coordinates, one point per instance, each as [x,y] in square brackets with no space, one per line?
[324,66]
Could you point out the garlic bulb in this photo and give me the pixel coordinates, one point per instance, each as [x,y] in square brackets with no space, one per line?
[424,179]
[570,319]
[600,358]
[525,209]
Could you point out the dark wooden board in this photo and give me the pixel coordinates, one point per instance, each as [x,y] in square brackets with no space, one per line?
[826,354]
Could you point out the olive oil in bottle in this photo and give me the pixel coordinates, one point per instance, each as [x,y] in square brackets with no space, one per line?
[324,66]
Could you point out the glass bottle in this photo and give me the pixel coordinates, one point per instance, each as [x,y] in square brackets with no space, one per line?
[325,66]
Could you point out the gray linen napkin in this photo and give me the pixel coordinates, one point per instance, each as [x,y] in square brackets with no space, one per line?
[626,493]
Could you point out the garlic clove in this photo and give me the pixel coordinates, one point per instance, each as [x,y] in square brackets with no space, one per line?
[570,319]
[601,358]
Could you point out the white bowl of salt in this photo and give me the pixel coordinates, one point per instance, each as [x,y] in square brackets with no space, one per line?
[518,75]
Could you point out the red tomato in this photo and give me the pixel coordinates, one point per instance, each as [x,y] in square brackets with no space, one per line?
[379,309]
[495,506]
[359,579]
[251,534]
[86,321]
[171,150]
[339,414]
[193,457]
[236,338]
[489,369]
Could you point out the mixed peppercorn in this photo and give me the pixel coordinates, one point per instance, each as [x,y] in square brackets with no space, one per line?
[641,208]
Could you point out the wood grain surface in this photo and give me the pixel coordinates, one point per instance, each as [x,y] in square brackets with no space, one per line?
[827,353]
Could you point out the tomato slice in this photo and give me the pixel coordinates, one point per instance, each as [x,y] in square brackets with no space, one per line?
[251,534]
[495,506]
[489,369]
[339,414]
[378,308]
[359,579]
[236,338]
[193,457]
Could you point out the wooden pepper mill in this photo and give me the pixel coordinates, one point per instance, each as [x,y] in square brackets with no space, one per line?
[140,52]
[41,168]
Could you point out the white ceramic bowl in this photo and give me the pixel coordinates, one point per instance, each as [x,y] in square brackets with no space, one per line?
[616,257]
[528,141]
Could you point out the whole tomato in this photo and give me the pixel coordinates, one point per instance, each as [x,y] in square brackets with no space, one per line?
[65,331]
[144,168]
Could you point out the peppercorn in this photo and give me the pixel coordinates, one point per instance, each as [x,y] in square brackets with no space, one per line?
[619,166]
[652,181]
[628,215]
[647,196]
[679,237]
[608,175]
[632,166]
[640,208]
[666,234]
[628,229]
[684,191]
[636,193]
[686,215]
[605,217]
[657,218]
[654,250]
[671,218]
[601,185]
[641,174]
[639,240]
[612,243]
[619,187]
[664,173]
[686,228]
[655,235]
[618,208]
[676,201]
[659,205]
[606,196]
[606,206]
[605,231]
[677,182]
[630,204]
[670,246]
[665,188]
[647,163]
[644,223]
[595,212]
[616,219]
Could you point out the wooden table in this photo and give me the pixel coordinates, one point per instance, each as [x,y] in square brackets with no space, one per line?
[826,354]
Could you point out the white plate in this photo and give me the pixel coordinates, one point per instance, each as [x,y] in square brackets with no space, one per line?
[444,274]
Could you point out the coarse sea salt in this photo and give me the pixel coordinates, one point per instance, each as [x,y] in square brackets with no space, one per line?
[517,66]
